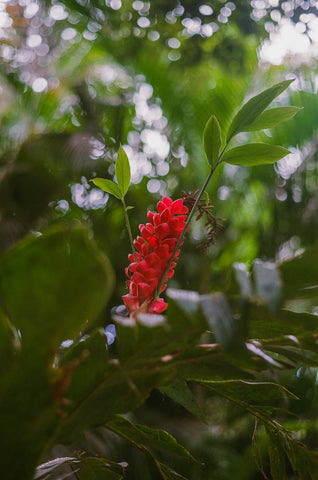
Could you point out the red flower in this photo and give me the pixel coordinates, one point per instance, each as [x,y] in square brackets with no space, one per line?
[154,248]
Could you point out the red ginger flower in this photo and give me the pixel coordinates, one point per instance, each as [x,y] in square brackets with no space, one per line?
[153,251]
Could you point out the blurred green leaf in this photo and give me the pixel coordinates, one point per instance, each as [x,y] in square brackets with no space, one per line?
[212,139]
[254,154]
[86,363]
[272,117]
[299,275]
[122,171]
[254,107]
[62,282]
[218,313]
[108,186]
[61,268]
[268,284]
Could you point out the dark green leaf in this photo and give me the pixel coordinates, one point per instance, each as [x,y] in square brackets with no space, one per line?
[298,355]
[272,117]
[254,107]
[254,154]
[276,457]
[250,392]
[212,139]
[142,436]
[180,393]
[108,186]
[61,269]
[122,171]
[86,361]
[300,277]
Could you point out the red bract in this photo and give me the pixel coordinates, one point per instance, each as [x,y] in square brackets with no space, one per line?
[154,248]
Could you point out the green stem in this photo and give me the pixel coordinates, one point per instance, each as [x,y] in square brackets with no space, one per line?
[182,234]
[129,229]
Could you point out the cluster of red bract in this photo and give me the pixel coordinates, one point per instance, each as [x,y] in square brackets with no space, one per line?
[154,249]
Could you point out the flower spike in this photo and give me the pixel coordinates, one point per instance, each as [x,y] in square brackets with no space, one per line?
[154,248]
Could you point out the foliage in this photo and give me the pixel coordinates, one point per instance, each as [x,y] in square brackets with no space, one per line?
[230,371]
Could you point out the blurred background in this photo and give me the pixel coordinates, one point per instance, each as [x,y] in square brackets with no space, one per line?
[79,77]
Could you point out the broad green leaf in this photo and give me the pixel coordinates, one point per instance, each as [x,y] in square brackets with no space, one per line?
[56,272]
[254,154]
[212,139]
[142,436]
[272,117]
[61,282]
[180,393]
[122,171]
[254,107]
[108,186]
[86,361]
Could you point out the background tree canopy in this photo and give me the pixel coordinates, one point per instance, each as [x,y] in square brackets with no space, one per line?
[77,79]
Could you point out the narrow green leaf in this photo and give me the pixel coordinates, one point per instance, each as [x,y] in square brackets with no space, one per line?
[255,154]
[108,186]
[47,467]
[142,436]
[180,393]
[250,392]
[276,457]
[254,107]
[122,171]
[212,139]
[272,117]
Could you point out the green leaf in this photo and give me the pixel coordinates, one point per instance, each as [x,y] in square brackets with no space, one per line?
[122,171]
[299,276]
[56,272]
[212,139]
[272,117]
[62,282]
[180,393]
[258,393]
[142,436]
[255,154]
[108,186]
[276,457]
[254,107]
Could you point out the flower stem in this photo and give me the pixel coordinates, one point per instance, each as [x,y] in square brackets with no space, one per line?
[129,229]
[182,234]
